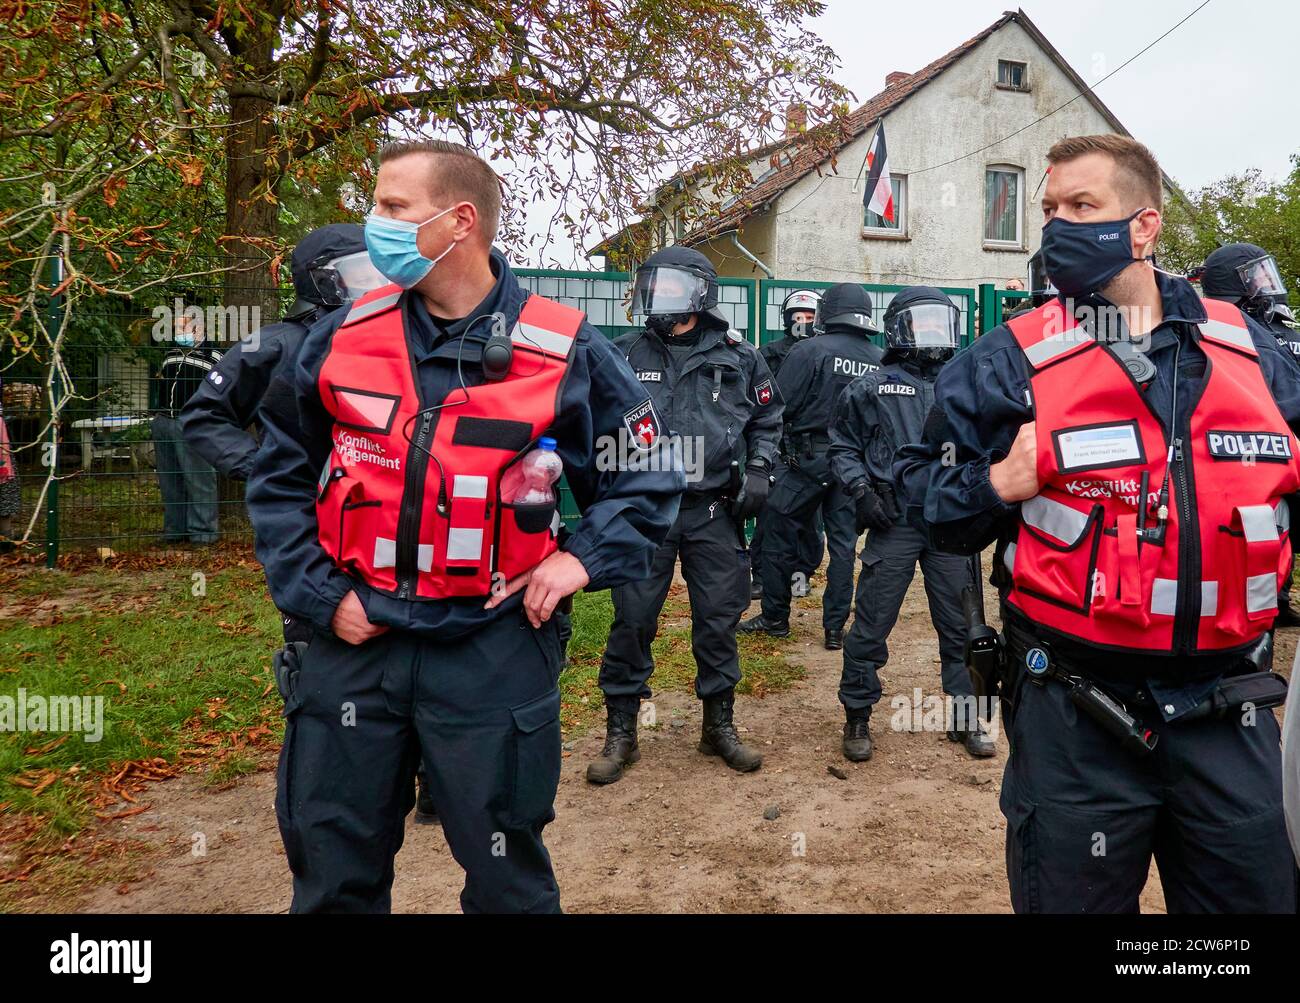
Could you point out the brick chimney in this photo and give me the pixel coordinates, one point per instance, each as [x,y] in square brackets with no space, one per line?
[796,119]
[896,77]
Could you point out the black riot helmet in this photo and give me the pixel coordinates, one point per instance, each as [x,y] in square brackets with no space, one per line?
[845,305]
[922,323]
[1247,275]
[672,285]
[799,301]
[330,267]
[1039,285]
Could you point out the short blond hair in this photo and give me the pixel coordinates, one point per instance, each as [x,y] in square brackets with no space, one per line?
[459,173]
[1137,177]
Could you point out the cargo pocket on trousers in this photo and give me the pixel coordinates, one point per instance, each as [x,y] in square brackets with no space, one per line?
[1022,853]
[535,776]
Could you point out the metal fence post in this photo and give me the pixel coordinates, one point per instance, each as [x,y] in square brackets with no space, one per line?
[989,318]
[54,320]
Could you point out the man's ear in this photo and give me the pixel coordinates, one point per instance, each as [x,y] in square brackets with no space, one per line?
[1146,231]
[466,214]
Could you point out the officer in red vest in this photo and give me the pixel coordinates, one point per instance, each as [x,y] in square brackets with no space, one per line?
[402,516]
[1130,447]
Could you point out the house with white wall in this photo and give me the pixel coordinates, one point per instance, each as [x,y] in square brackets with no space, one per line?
[968,137]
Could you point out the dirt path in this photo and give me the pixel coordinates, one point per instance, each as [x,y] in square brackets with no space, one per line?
[916,829]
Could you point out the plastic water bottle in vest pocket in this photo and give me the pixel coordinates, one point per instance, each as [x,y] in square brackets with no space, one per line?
[537,473]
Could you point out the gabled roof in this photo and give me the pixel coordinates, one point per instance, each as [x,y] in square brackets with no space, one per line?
[793,162]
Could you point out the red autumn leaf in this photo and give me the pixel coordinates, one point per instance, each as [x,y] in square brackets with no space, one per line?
[192,172]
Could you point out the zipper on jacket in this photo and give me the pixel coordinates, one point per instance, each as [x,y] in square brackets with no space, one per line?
[1189,563]
[408,521]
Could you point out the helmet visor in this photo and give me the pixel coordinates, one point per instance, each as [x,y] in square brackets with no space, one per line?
[1261,277]
[346,278]
[926,325]
[664,289]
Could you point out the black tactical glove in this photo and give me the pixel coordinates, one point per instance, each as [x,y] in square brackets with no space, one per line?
[754,496]
[872,510]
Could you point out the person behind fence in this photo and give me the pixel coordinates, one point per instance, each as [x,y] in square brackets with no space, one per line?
[1247,275]
[874,415]
[187,481]
[1129,446]
[714,394]
[798,311]
[395,516]
[811,379]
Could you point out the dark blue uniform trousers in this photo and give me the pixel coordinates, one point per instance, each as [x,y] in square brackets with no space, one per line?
[889,562]
[809,548]
[716,569]
[1085,816]
[482,712]
[798,496]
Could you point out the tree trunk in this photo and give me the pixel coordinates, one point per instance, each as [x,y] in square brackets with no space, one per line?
[252,174]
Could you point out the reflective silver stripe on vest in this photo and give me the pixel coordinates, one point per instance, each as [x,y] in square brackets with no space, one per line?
[1258,523]
[1282,516]
[469,486]
[386,554]
[363,310]
[1057,344]
[1164,596]
[1231,333]
[464,544]
[1009,558]
[1261,592]
[533,336]
[1053,518]
[1209,598]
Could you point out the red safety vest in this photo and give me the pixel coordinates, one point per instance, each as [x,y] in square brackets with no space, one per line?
[409,499]
[1078,562]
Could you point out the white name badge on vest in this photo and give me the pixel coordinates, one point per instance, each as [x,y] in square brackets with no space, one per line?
[1095,447]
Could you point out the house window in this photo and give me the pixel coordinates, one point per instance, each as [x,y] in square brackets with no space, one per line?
[878,225]
[663,233]
[1003,191]
[1012,75]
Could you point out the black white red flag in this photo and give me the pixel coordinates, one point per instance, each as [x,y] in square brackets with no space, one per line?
[879,196]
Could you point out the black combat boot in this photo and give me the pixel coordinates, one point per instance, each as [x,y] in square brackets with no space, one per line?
[761,625]
[979,743]
[857,739]
[834,640]
[620,750]
[718,736]
[426,812]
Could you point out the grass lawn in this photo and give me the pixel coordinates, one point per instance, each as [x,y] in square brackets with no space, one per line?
[183,664]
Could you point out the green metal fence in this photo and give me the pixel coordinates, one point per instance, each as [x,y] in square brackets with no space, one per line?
[110,488]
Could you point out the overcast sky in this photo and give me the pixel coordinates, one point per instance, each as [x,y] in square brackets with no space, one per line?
[1216,97]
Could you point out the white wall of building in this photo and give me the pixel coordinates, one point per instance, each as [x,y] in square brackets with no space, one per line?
[814,231]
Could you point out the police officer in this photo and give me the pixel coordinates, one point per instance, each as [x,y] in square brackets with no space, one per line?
[1137,540]
[391,517]
[798,312]
[876,414]
[712,391]
[1247,275]
[811,379]
[330,267]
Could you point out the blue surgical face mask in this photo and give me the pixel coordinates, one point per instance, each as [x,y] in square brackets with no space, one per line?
[185,340]
[1080,258]
[394,250]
